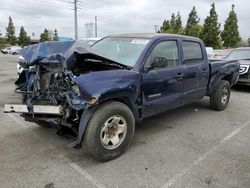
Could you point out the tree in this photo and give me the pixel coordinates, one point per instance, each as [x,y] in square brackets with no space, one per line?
[23,38]
[2,41]
[44,36]
[211,30]
[192,27]
[230,35]
[173,26]
[178,24]
[165,26]
[195,30]
[10,32]
[55,35]
[172,21]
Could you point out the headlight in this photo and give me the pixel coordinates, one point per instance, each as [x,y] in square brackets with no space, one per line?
[244,69]
[75,88]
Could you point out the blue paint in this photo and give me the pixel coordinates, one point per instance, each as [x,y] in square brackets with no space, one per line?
[147,92]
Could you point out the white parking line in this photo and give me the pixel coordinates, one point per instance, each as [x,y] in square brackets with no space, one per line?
[17,121]
[185,171]
[72,164]
[85,174]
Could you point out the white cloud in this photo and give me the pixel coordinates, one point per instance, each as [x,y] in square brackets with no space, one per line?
[114,16]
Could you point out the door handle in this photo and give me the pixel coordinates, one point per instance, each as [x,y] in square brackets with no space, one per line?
[179,75]
[204,71]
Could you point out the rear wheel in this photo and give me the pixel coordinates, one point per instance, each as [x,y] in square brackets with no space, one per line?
[109,131]
[221,95]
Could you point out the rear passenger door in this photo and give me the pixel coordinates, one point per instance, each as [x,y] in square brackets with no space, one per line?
[196,71]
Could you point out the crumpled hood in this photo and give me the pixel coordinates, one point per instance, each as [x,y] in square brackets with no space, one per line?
[100,84]
[54,52]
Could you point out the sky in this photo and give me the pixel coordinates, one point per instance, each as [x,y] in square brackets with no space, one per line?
[114,16]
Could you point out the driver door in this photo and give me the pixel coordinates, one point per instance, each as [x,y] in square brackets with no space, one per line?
[162,85]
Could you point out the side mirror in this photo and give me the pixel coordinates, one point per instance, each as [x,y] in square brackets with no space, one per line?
[158,62]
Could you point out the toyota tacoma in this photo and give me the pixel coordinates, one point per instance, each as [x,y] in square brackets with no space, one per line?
[101,92]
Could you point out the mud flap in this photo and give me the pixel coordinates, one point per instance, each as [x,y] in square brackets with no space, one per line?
[86,115]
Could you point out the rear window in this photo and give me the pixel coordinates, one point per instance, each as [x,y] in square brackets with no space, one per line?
[192,51]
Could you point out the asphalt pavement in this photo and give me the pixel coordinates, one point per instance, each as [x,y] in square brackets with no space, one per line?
[192,146]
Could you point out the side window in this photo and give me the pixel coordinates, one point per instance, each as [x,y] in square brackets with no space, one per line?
[166,52]
[192,52]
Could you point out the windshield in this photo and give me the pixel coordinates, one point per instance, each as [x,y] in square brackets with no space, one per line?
[122,50]
[239,54]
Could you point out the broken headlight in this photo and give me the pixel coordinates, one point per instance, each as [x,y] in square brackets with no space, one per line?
[75,88]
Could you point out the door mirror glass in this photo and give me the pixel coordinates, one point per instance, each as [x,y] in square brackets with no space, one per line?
[159,62]
[164,55]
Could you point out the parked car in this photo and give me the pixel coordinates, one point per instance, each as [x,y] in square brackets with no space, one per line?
[101,92]
[14,50]
[242,55]
[221,54]
[210,54]
[6,50]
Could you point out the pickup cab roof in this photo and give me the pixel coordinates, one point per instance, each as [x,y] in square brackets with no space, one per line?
[153,36]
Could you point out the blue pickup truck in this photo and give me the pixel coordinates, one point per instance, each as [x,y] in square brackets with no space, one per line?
[100,93]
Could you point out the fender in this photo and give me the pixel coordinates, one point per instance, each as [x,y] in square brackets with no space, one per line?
[86,115]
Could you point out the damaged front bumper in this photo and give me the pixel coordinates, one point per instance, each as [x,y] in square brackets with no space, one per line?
[37,109]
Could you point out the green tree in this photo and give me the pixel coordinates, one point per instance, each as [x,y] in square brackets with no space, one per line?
[178,24]
[172,21]
[230,35]
[55,35]
[44,36]
[173,26]
[10,32]
[165,26]
[192,27]
[2,41]
[195,30]
[211,30]
[23,38]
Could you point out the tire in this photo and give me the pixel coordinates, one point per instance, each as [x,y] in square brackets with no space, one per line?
[14,53]
[221,96]
[106,127]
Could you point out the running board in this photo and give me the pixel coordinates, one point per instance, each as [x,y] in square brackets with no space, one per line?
[38,109]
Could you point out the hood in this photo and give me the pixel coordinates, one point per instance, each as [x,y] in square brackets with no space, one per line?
[244,62]
[100,84]
[67,53]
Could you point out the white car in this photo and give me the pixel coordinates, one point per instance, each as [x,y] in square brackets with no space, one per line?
[6,50]
[14,50]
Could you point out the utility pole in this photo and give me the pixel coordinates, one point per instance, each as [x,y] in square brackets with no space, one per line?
[95,26]
[76,25]
[156,28]
[89,29]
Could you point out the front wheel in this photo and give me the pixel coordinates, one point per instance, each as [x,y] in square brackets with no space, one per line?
[221,95]
[109,131]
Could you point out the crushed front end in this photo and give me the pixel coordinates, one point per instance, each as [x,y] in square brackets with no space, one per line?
[47,85]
